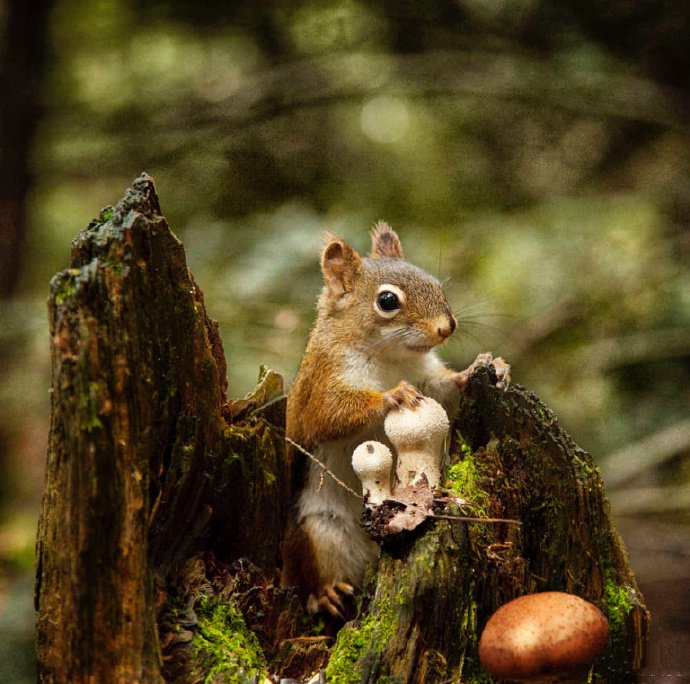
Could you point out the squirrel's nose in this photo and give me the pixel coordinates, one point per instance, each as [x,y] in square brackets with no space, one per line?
[448,328]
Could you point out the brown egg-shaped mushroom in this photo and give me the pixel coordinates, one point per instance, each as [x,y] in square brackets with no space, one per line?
[545,638]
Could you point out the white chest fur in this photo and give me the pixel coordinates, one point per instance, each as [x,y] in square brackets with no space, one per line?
[365,372]
[329,512]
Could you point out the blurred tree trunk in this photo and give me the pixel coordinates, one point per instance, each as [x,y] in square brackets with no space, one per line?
[23,56]
[163,506]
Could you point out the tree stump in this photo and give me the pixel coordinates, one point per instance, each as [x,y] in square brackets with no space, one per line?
[160,529]
[429,598]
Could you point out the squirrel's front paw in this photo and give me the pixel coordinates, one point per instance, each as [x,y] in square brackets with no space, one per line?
[403,395]
[501,368]
[332,598]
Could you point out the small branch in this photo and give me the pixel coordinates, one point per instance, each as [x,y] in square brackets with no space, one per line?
[465,518]
[407,504]
[648,453]
[641,347]
[324,468]
[649,500]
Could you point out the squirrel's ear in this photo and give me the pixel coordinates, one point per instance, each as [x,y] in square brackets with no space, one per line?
[385,242]
[339,265]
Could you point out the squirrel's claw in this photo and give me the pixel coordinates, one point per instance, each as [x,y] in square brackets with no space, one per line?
[331,599]
[501,368]
[403,395]
[502,373]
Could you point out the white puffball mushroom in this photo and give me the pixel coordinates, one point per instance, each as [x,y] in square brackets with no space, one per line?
[418,435]
[372,463]
[546,637]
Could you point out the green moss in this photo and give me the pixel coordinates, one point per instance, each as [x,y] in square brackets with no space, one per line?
[88,409]
[465,448]
[68,285]
[252,445]
[584,463]
[232,457]
[618,606]
[91,423]
[355,643]
[463,480]
[115,265]
[269,477]
[103,217]
[469,619]
[469,671]
[541,410]
[225,645]
[236,431]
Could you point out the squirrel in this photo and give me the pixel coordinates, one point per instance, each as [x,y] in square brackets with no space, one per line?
[370,351]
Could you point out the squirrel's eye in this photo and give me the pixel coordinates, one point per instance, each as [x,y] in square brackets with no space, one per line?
[388,301]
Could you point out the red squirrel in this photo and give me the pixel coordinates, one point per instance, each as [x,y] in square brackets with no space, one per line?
[370,351]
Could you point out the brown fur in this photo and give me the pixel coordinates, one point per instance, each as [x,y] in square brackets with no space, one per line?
[299,564]
[321,406]
[385,242]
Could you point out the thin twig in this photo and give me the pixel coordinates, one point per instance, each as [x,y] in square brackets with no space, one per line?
[324,468]
[464,518]
[470,519]
[268,404]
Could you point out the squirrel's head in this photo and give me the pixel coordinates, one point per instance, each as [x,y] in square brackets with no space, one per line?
[386,306]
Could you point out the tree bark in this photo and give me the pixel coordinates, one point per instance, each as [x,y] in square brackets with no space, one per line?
[143,469]
[160,528]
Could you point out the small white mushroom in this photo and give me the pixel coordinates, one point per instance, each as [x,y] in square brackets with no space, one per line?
[418,436]
[372,463]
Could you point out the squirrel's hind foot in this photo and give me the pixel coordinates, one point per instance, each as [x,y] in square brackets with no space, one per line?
[334,599]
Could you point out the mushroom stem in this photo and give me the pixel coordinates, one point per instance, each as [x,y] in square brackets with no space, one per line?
[418,435]
[413,464]
[372,463]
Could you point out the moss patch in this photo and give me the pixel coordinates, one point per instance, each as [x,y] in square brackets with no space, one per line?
[463,480]
[359,644]
[89,408]
[224,644]
[66,285]
[618,607]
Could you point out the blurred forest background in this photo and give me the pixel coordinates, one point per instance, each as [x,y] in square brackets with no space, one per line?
[536,153]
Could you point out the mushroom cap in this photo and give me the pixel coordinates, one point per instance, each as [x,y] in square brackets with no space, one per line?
[537,635]
[428,422]
[370,459]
